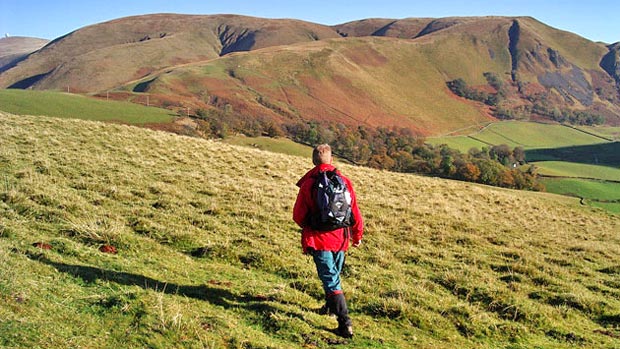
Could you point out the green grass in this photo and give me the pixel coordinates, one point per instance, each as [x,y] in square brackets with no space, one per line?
[65,105]
[210,258]
[461,143]
[603,131]
[531,135]
[607,154]
[275,145]
[572,169]
[589,189]
[597,193]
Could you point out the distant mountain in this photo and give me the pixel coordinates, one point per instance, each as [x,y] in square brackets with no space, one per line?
[102,56]
[14,49]
[374,72]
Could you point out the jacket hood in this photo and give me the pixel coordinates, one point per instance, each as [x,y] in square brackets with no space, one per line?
[314,172]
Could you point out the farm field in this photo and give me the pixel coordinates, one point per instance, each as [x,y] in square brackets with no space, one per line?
[613,133]
[597,193]
[528,135]
[578,170]
[534,135]
[66,105]
[460,143]
[607,154]
[208,256]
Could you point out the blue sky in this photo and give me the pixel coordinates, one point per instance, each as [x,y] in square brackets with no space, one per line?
[596,20]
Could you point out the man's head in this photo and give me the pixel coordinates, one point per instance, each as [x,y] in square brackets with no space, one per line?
[322,154]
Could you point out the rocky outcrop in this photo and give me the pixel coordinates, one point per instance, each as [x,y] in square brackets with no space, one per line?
[611,62]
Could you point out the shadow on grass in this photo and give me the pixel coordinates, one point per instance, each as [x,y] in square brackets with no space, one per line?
[604,154]
[218,296]
[261,307]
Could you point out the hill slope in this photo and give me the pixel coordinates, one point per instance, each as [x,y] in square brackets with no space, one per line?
[208,255]
[129,48]
[15,49]
[387,81]
[358,81]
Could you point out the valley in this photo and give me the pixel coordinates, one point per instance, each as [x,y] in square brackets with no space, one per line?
[148,168]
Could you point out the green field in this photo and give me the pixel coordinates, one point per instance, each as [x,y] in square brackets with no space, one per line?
[208,255]
[65,105]
[573,169]
[597,193]
[461,143]
[528,135]
[607,154]
[531,135]
[612,133]
[589,189]
[276,145]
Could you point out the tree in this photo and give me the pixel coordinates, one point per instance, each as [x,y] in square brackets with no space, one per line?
[518,153]
[502,153]
[458,86]
[273,130]
[468,171]
[404,161]
[490,172]
[447,166]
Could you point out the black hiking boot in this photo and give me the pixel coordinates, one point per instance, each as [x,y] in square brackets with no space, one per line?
[345,331]
[337,304]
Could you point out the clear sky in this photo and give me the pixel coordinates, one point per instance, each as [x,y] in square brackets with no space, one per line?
[597,20]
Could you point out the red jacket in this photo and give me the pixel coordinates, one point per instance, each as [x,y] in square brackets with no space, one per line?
[334,240]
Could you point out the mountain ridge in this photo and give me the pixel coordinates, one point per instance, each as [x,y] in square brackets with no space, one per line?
[541,69]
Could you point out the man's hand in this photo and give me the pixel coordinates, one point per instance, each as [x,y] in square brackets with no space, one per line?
[357,243]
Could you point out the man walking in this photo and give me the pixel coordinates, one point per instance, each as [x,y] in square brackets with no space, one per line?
[327,239]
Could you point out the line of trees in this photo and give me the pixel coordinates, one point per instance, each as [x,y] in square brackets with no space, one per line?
[573,117]
[459,87]
[398,149]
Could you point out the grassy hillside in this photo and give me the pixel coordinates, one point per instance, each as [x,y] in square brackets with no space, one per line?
[208,255]
[65,105]
[529,135]
[132,47]
[354,81]
[275,145]
[596,193]
[13,49]
[572,169]
[612,133]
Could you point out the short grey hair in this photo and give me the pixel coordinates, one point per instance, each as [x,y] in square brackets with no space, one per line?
[322,154]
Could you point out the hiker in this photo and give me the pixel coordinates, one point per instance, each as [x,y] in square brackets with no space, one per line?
[327,242]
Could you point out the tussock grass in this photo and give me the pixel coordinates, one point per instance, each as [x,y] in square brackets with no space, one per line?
[209,257]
